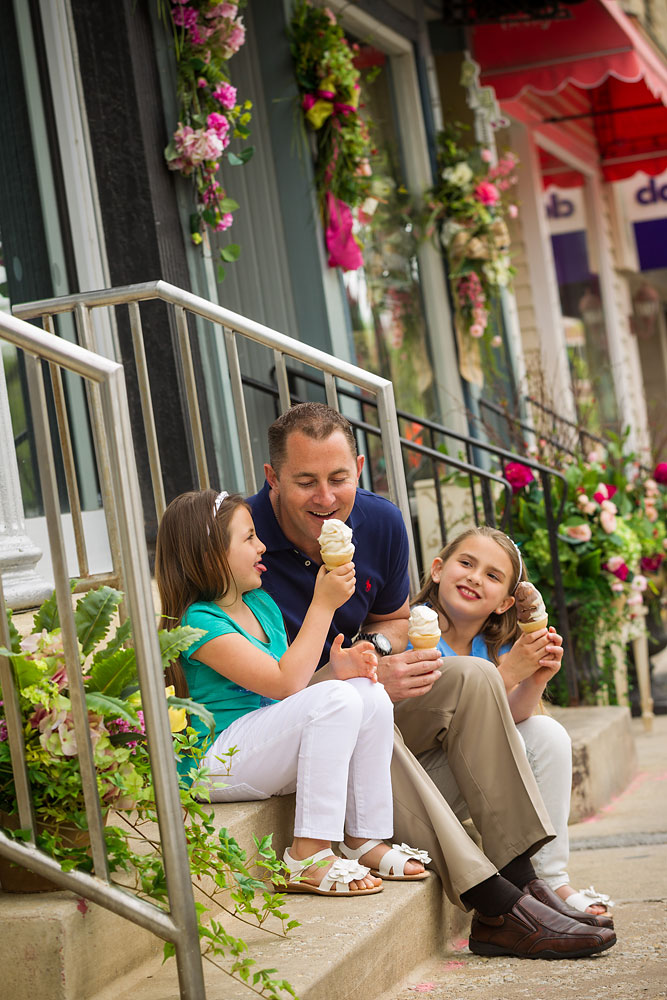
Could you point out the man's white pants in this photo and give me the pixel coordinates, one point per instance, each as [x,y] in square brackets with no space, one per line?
[331,742]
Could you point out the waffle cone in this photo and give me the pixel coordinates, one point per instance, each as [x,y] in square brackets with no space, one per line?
[337,559]
[424,641]
[534,626]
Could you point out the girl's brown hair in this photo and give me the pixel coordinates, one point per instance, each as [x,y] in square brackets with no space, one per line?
[191,560]
[497,629]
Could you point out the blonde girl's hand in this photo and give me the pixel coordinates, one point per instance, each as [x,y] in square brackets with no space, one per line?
[553,653]
[334,587]
[523,659]
[354,661]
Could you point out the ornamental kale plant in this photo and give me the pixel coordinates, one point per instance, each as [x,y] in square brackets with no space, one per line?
[224,878]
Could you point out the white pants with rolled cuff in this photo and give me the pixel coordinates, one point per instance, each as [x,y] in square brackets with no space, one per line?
[332,743]
[549,751]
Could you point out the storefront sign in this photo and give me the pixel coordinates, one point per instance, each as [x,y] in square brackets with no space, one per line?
[643,201]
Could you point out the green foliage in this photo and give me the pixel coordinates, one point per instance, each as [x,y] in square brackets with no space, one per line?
[224,878]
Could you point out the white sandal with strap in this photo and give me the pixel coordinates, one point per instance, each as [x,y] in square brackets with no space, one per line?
[336,881]
[589,897]
[392,864]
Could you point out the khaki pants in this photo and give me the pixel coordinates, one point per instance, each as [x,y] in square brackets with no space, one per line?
[465,733]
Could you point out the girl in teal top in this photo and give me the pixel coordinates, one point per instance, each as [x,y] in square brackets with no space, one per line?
[471,585]
[331,742]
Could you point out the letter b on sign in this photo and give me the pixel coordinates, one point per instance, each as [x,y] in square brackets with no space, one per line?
[559,208]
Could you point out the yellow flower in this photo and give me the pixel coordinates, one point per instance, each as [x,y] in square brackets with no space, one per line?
[319,112]
[178,719]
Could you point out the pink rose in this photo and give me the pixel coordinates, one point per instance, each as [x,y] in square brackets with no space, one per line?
[486,155]
[496,341]
[608,505]
[660,473]
[652,514]
[487,193]
[512,211]
[518,475]
[476,330]
[639,582]
[225,94]
[579,532]
[617,587]
[220,126]
[608,521]
[635,599]
[235,39]
[605,491]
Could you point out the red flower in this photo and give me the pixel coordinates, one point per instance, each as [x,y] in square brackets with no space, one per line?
[660,473]
[518,475]
[605,492]
[651,564]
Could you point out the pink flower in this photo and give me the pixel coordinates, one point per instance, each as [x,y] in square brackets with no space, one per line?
[201,82]
[579,532]
[590,507]
[614,564]
[195,146]
[220,126]
[512,211]
[235,39]
[476,330]
[608,521]
[617,587]
[486,155]
[605,491]
[225,222]
[224,10]
[652,514]
[487,193]
[639,582]
[518,475]
[608,505]
[225,94]
[496,341]
[635,599]
[660,473]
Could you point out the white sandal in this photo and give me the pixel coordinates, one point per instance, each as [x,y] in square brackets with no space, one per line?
[336,880]
[394,860]
[589,897]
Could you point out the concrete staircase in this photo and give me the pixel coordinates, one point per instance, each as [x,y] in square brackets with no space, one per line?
[54,946]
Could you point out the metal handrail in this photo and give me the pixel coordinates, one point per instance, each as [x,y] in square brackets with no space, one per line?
[381,389]
[106,384]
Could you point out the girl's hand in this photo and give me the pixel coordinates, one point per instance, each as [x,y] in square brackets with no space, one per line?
[550,662]
[334,587]
[355,661]
[523,659]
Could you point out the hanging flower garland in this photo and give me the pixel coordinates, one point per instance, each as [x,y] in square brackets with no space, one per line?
[206,36]
[466,210]
[329,84]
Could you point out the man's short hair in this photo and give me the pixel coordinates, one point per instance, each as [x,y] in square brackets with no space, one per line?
[315,420]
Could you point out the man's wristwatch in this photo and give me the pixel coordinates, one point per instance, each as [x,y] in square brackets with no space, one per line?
[380,642]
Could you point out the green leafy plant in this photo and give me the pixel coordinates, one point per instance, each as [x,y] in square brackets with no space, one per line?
[225,879]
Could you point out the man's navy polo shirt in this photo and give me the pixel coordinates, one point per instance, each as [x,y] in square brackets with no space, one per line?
[380,559]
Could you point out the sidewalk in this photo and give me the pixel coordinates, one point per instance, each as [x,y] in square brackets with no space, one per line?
[621,851]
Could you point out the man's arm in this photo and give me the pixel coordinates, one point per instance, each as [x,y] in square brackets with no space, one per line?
[394,626]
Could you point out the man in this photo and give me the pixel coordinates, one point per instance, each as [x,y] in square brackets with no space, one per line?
[313,475]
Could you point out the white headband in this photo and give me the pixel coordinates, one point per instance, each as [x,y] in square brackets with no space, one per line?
[216,507]
[518,579]
[218,501]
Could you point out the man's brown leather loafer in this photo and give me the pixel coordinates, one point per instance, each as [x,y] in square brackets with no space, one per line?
[533,930]
[538,888]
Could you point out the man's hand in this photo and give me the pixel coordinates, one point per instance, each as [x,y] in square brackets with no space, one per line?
[409,674]
[354,661]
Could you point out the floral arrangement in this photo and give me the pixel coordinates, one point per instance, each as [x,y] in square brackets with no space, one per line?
[206,36]
[328,80]
[466,211]
[221,871]
[612,539]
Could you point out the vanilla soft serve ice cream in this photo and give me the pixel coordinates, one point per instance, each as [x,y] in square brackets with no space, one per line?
[336,543]
[423,627]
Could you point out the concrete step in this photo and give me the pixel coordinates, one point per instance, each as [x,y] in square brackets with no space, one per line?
[352,948]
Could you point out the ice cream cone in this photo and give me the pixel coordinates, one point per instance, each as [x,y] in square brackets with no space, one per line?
[534,626]
[424,641]
[338,558]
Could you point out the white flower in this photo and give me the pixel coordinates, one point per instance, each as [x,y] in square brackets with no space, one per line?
[449,231]
[459,176]
[497,272]
[412,852]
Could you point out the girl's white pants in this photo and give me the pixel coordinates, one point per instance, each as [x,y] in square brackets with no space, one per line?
[331,742]
[549,752]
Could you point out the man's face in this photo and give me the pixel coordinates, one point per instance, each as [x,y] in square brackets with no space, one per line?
[316,481]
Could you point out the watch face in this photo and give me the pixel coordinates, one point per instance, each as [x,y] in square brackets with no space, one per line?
[382,644]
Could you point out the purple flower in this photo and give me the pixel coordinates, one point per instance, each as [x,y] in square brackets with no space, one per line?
[518,475]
